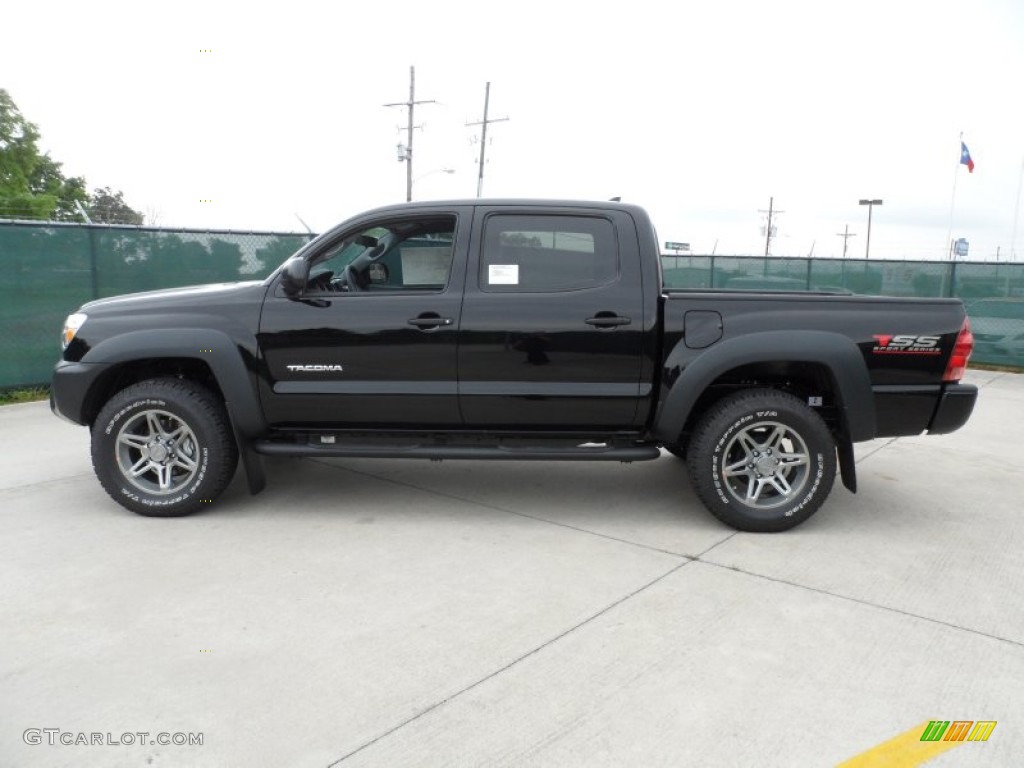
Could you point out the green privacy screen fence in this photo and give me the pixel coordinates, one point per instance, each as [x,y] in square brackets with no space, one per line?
[49,270]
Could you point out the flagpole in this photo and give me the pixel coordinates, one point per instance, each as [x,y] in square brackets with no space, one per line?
[952,202]
[1016,212]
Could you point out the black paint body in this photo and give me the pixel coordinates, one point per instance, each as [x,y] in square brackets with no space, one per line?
[625,362]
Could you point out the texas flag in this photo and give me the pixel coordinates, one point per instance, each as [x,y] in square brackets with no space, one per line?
[965,158]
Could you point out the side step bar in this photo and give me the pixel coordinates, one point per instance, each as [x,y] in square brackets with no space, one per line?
[598,452]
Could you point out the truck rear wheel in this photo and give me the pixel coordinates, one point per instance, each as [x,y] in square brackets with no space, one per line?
[163,447]
[762,461]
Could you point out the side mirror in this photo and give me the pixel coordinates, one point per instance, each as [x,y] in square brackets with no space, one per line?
[293,277]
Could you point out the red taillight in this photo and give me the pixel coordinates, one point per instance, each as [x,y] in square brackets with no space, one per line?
[957,365]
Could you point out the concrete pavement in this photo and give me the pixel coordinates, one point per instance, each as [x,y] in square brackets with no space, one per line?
[403,613]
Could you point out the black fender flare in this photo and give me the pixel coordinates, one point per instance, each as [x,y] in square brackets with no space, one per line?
[215,348]
[837,353]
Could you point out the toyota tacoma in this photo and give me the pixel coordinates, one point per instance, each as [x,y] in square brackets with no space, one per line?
[505,329]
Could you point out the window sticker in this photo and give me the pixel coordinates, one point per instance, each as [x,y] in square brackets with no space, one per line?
[503,274]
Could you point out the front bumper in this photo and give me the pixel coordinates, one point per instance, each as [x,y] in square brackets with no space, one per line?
[954,408]
[70,388]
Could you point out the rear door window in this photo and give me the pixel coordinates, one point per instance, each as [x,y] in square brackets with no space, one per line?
[542,254]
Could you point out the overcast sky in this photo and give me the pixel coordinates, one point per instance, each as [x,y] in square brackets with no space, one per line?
[699,111]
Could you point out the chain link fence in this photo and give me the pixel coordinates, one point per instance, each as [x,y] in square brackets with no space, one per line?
[49,270]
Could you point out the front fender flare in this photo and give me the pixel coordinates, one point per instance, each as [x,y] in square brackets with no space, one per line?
[215,348]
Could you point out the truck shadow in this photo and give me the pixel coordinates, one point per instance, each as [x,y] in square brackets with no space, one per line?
[562,491]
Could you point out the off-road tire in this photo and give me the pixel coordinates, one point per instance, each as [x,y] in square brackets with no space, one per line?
[752,446]
[163,447]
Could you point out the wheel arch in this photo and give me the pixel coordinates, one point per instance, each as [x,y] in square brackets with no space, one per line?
[210,357]
[785,360]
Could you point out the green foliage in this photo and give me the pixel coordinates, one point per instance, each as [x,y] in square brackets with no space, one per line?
[48,181]
[108,207]
[24,395]
[33,186]
[26,206]
[19,161]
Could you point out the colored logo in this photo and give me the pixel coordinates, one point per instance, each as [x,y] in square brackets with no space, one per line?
[958,730]
[904,344]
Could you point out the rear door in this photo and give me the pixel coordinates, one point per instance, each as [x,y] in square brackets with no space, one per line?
[552,321]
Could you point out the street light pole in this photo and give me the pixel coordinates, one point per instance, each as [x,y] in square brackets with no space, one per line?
[870,204]
[449,171]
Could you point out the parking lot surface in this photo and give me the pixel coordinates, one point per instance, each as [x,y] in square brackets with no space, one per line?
[404,613]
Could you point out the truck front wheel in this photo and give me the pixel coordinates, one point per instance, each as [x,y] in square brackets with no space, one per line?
[163,447]
[762,461]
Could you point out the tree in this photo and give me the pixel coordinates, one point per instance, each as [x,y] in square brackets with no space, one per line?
[47,180]
[32,184]
[109,207]
[19,158]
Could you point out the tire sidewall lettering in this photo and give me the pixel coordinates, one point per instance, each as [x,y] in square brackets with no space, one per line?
[132,493]
[134,405]
[724,428]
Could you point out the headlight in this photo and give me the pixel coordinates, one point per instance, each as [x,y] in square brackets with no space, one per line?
[71,326]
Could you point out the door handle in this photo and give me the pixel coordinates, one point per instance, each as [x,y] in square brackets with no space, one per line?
[607,320]
[430,321]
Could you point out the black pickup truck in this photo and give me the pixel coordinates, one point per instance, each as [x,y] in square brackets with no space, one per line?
[504,329]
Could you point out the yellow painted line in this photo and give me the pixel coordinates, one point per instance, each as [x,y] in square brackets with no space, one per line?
[903,751]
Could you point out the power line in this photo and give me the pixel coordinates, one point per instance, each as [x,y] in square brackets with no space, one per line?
[483,137]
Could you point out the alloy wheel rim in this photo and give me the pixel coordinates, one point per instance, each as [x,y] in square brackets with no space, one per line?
[765,465]
[157,452]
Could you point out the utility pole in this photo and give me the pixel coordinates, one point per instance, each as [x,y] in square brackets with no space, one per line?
[845,234]
[405,152]
[483,137]
[768,230]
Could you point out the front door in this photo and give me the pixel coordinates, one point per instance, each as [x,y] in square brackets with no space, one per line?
[372,341]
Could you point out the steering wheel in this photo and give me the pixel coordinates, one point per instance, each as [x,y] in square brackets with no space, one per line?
[321,281]
[353,280]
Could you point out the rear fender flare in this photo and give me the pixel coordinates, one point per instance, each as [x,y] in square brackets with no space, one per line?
[835,352]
